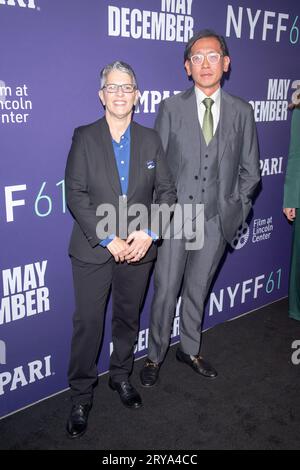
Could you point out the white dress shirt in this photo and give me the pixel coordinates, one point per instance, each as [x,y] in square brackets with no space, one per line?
[215,109]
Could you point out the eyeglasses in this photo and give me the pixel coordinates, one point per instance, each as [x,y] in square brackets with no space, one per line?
[212,57]
[125,87]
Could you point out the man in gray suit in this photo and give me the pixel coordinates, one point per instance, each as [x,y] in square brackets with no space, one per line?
[211,144]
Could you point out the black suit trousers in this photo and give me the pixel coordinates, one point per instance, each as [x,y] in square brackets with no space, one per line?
[92,283]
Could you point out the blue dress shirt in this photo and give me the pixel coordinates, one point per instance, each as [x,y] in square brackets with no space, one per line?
[122,156]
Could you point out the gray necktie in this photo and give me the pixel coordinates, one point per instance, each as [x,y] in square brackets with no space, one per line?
[208,122]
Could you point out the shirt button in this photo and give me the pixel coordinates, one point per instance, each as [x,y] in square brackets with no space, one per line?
[191,197]
[206,156]
[196,177]
[206,167]
[121,146]
[203,190]
[204,179]
[122,178]
[122,162]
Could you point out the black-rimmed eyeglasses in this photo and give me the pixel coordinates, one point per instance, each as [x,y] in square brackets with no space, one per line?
[125,87]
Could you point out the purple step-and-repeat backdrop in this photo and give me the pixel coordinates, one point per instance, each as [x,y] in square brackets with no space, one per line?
[51,55]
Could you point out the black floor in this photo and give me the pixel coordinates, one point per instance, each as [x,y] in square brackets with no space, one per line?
[253,404]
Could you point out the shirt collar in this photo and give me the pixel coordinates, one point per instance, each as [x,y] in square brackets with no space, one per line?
[126,134]
[200,95]
[124,137]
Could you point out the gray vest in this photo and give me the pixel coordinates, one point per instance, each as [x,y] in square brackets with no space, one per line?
[207,193]
[197,179]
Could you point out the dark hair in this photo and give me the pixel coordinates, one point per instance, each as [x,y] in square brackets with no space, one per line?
[294,106]
[205,33]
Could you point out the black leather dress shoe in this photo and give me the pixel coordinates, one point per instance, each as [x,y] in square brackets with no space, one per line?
[128,394]
[149,373]
[78,420]
[199,365]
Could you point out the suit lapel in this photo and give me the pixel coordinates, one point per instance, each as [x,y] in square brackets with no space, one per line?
[110,159]
[190,112]
[226,123]
[134,167]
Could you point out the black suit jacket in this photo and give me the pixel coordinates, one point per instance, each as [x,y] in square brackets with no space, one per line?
[92,179]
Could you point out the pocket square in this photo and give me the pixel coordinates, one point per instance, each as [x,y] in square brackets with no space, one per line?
[150,164]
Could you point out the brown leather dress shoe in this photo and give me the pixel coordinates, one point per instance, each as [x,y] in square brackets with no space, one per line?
[198,364]
[149,373]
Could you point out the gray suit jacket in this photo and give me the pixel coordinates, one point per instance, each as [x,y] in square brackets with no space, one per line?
[238,158]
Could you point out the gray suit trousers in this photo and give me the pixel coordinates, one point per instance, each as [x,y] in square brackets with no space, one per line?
[194,271]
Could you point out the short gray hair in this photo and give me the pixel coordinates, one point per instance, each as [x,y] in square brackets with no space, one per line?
[121,67]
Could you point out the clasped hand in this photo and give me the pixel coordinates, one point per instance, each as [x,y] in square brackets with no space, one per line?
[131,250]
